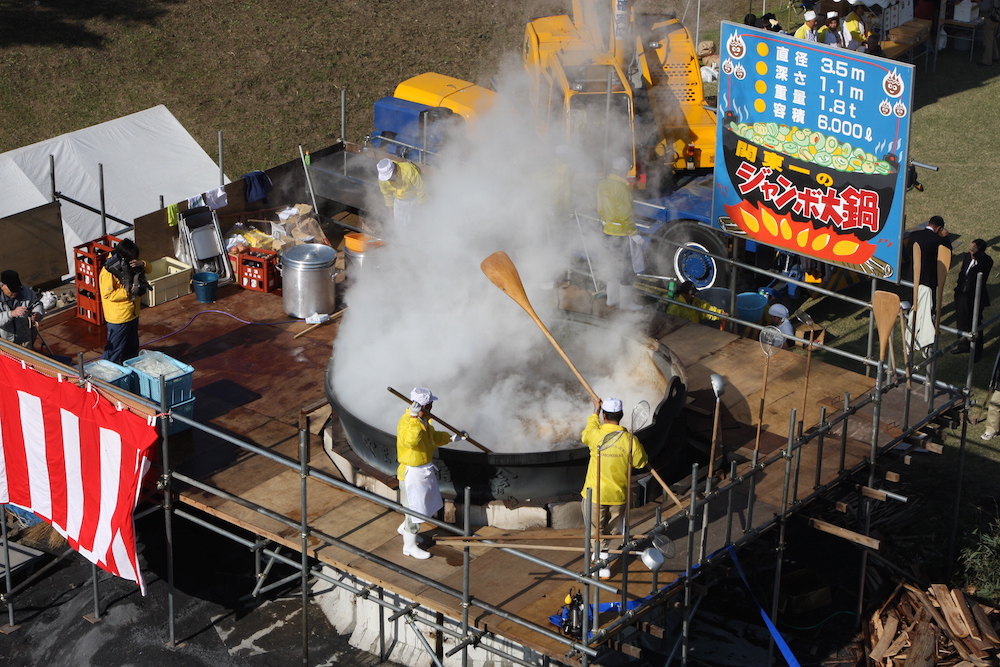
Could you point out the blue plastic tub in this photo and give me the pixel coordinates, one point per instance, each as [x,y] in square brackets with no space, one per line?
[750,306]
[185,408]
[205,285]
[112,373]
[178,383]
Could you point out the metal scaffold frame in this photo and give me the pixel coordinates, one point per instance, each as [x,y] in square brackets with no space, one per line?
[695,511]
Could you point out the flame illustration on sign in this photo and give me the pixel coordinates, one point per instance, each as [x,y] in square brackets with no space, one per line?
[736,47]
[892,84]
[764,225]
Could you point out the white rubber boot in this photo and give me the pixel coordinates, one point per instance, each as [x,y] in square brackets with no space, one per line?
[611,291]
[411,549]
[604,572]
[402,531]
[627,302]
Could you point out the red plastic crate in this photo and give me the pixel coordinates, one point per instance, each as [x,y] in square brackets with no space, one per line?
[90,257]
[88,306]
[257,269]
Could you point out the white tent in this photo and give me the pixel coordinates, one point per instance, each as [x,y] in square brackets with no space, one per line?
[145,155]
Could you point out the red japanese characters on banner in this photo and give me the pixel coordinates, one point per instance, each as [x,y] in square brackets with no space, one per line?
[71,457]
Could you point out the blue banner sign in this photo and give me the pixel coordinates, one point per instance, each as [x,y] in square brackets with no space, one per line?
[814,142]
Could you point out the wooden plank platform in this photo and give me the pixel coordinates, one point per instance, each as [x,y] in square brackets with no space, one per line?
[252,379]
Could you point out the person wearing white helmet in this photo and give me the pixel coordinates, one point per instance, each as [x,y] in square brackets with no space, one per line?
[834,35]
[811,30]
[624,256]
[416,441]
[779,318]
[402,186]
[608,443]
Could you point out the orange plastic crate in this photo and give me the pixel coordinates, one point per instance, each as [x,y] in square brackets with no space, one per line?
[257,269]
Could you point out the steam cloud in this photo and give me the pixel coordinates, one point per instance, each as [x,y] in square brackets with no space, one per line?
[422,313]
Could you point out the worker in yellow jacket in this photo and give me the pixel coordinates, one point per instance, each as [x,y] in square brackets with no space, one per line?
[416,441]
[609,445]
[855,29]
[122,282]
[624,257]
[686,294]
[403,188]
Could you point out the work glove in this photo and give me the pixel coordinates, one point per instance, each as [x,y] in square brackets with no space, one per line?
[463,435]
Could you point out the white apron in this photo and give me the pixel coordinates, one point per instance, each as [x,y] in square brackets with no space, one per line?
[422,492]
[402,212]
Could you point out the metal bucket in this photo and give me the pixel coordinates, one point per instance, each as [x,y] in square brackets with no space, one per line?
[307,279]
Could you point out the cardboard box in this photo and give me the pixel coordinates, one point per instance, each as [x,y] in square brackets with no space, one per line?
[168,279]
[966,12]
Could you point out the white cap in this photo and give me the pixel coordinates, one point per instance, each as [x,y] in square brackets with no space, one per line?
[385,168]
[621,164]
[832,15]
[778,310]
[422,395]
[611,405]
[810,15]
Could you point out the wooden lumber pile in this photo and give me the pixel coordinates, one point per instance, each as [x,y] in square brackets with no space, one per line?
[939,626]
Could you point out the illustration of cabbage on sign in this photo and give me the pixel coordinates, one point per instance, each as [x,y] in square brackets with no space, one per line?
[812,139]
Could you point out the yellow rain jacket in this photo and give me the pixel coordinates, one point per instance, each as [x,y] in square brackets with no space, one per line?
[614,206]
[406,183]
[415,443]
[614,463]
[855,30]
[693,315]
[118,305]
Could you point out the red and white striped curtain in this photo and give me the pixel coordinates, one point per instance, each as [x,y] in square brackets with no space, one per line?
[73,458]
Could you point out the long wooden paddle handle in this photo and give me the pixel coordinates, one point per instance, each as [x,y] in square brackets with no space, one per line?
[441,421]
[562,353]
[673,496]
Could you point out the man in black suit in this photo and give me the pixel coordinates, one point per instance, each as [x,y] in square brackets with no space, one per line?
[976,263]
[930,238]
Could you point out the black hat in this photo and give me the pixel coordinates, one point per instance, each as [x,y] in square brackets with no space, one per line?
[11,280]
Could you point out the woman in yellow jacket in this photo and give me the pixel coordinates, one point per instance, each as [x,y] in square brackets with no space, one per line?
[416,441]
[608,443]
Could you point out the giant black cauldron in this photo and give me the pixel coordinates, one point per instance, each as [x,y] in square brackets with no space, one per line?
[514,476]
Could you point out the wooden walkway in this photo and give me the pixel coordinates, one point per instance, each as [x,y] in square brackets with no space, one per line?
[251,380]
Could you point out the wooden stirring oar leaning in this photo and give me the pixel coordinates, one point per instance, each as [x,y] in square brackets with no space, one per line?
[443,423]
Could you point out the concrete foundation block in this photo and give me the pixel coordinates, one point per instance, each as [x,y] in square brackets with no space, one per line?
[375,486]
[345,467]
[520,518]
[566,515]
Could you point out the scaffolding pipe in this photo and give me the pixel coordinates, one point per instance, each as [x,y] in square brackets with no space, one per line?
[866,503]
[466,567]
[168,523]
[332,481]
[966,406]
[104,209]
[318,573]
[8,598]
[304,534]
[779,552]
[689,569]
[821,437]
[588,519]
[427,581]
